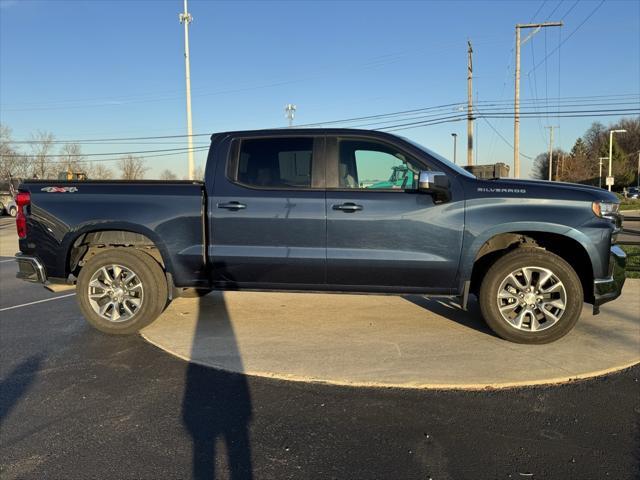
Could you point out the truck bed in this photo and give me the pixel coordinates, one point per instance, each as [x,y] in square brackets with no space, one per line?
[169,213]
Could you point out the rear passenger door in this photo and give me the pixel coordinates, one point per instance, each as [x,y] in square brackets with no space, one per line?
[268,222]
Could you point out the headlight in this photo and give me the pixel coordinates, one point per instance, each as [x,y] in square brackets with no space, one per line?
[605,209]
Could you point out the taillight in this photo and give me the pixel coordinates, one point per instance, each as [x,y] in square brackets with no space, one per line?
[23,199]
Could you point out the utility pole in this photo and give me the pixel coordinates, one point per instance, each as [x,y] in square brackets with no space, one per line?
[469,104]
[516,107]
[600,159]
[186,19]
[639,169]
[290,112]
[455,146]
[551,151]
[611,132]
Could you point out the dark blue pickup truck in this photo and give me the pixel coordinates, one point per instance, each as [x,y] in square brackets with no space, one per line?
[314,210]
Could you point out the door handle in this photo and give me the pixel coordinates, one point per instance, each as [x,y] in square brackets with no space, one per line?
[348,207]
[232,206]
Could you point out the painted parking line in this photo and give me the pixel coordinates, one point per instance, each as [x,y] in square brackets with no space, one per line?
[37,301]
[10,260]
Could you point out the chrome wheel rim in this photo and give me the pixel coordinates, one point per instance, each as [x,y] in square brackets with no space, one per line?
[115,293]
[532,299]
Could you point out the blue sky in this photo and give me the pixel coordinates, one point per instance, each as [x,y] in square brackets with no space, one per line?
[101,69]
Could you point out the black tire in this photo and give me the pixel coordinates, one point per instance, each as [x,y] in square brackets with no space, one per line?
[190,292]
[13,211]
[519,258]
[151,277]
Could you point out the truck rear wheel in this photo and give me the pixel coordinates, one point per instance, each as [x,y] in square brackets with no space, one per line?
[121,291]
[531,296]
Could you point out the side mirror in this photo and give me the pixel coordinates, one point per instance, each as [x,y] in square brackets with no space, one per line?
[436,184]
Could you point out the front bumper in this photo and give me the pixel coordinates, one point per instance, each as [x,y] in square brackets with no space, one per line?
[610,288]
[30,269]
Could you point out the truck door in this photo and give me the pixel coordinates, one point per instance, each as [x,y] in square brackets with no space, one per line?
[267,214]
[381,232]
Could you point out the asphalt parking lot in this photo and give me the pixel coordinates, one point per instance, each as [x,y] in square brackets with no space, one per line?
[75,403]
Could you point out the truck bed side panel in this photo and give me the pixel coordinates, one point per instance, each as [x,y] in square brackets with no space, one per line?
[169,214]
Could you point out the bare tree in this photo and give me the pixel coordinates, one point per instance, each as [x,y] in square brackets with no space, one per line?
[71,159]
[11,162]
[101,172]
[540,168]
[167,174]
[199,173]
[132,168]
[41,151]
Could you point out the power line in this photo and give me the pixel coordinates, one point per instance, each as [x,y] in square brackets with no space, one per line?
[101,160]
[504,114]
[383,115]
[502,136]
[599,100]
[570,35]
[538,11]
[570,9]
[92,140]
[322,71]
[175,150]
[553,11]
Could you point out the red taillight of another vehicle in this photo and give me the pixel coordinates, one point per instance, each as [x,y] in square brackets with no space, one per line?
[23,199]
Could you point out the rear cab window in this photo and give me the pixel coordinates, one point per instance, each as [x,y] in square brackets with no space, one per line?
[273,163]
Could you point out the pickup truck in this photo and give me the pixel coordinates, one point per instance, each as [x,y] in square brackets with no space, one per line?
[286,210]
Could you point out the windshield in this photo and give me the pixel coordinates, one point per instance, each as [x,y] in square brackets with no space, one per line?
[440,158]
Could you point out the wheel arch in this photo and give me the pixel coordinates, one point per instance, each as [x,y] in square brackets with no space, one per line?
[113,235]
[565,245]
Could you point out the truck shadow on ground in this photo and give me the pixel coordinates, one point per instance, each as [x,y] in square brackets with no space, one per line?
[451,310]
[217,407]
[16,384]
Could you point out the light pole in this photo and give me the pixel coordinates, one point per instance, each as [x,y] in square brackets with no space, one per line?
[611,132]
[186,19]
[600,159]
[455,146]
[551,150]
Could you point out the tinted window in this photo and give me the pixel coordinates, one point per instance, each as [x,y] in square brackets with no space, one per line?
[276,162]
[372,165]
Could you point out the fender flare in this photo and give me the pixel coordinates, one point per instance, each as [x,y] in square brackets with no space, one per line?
[470,253]
[71,237]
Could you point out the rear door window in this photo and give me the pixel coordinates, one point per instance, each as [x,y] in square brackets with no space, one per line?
[275,163]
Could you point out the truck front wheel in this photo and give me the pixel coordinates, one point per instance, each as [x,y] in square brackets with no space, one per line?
[121,291]
[531,296]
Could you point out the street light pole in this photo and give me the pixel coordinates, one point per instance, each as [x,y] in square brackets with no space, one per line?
[186,19]
[551,150]
[600,159]
[469,104]
[611,132]
[455,146]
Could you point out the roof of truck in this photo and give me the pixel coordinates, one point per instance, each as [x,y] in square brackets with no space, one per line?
[306,131]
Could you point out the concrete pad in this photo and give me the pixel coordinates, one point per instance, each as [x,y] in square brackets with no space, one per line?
[8,237]
[374,340]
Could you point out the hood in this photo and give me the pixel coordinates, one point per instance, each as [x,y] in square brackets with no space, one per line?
[539,189]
